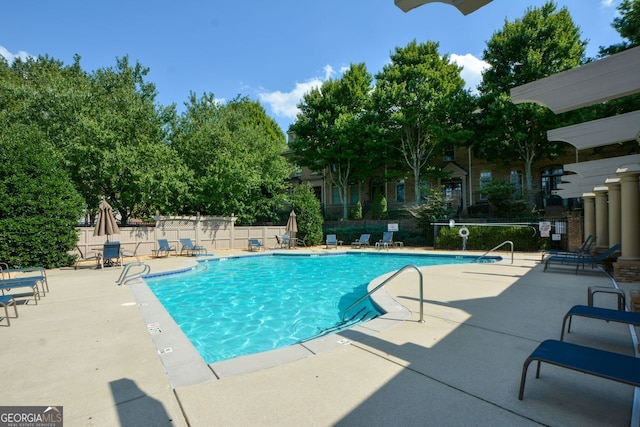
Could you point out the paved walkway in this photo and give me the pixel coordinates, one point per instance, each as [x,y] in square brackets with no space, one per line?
[91,346]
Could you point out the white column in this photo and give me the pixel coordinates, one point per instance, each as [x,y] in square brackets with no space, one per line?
[613,184]
[630,208]
[602,217]
[589,200]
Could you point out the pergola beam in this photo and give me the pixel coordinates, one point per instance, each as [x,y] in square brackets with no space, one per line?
[609,78]
[597,133]
[464,6]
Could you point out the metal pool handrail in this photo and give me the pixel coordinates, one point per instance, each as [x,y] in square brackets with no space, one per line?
[344,314]
[497,247]
[125,277]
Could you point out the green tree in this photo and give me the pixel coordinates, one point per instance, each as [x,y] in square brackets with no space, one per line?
[40,207]
[504,201]
[379,206]
[309,214]
[356,212]
[235,152]
[627,24]
[432,207]
[107,127]
[120,152]
[332,134]
[544,42]
[421,103]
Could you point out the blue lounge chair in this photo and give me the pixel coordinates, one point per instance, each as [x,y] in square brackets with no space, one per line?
[593,361]
[111,255]
[363,241]
[582,250]
[387,240]
[581,260]
[27,274]
[7,285]
[607,314]
[332,240]
[254,244]
[191,248]
[163,248]
[6,301]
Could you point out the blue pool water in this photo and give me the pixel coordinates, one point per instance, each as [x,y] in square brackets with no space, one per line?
[244,305]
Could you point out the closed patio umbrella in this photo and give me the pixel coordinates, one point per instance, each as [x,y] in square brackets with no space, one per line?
[292,228]
[106,224]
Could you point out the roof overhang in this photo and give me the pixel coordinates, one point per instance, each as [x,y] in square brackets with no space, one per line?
[464,6]
[609,78]
[589,175]
[597,133]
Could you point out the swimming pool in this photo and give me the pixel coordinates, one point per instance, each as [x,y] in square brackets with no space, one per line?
[231,307]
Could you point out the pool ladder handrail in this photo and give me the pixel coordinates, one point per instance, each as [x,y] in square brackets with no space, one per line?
[387,280]
[125,277]
[497,247]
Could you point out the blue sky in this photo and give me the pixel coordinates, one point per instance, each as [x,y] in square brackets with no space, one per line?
[273,51]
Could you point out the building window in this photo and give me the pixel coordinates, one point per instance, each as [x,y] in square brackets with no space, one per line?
[298,171]
[550,178]
[485,180]
[335,195]
[449,154]
[354,191]
[515,178]
[400,191]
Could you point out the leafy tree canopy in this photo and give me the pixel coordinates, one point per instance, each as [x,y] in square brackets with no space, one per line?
[332,132]
[544,42]
[627,24]
[40,207]
[421,104]
[235,153]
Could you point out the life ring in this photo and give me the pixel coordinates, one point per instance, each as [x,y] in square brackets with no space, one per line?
[463,232]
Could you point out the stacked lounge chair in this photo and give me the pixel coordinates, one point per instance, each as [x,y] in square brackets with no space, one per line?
[581,260]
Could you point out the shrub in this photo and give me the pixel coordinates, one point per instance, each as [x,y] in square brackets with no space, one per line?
[379,206]
[356,212]
[40,207]
[485,238]
[309,214]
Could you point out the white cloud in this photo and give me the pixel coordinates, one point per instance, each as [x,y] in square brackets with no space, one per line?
[10,57]
[607,3]
[284,104]
[472,69]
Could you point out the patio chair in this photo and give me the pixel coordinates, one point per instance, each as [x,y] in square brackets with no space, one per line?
[163,248]
[83,257]
[581,260]
[387,240]
[582,250]
[191,248]
[38,274]
[363,241]
[6,301]
[111,255]
[332,240]
[606,314]
[600,363]
[7,285]
[126,254]
[254,244]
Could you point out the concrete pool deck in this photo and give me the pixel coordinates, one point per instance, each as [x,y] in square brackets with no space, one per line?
[107,355]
